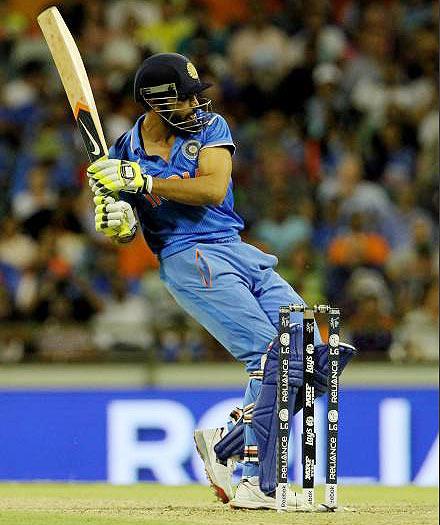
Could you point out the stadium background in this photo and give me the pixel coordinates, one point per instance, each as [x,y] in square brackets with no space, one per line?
[334,109]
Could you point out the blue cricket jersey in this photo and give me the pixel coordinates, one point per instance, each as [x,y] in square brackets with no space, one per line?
[169,226]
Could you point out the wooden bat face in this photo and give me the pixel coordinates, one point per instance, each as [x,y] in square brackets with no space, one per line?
[75,81]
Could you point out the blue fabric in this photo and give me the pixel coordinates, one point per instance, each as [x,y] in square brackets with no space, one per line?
[10,277]
[232,290]
[168,226]
[228,286]
[265,424]
[265,418]
[252,392]
[265,421]
[232,444]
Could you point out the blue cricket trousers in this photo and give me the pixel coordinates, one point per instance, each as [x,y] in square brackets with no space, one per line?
[233,291]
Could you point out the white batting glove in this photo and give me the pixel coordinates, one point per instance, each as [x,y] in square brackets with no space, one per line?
[115,219]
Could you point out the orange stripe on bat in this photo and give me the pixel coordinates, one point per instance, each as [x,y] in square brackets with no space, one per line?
[79,106]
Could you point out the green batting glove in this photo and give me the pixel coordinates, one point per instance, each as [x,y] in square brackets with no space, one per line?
[115,219]
[113,175]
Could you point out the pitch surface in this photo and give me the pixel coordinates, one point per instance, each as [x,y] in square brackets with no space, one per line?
[150,504]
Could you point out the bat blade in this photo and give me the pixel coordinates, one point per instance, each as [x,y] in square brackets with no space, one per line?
[73,75]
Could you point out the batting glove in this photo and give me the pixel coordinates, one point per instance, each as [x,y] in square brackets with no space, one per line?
[115,219]
[113,175]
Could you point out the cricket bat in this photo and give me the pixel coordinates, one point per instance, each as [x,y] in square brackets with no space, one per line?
[75,81]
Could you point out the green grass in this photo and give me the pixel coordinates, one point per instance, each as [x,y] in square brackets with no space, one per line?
[148,504]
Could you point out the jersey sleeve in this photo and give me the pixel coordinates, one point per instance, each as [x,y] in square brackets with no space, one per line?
[217,133]
[118,149]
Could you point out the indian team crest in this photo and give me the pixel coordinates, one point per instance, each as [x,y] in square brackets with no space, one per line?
[192,71]
[190,149]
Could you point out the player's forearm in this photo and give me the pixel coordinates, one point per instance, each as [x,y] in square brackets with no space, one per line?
[201,191]
[113,175]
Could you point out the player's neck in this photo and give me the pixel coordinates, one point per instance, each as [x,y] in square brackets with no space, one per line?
[154,130]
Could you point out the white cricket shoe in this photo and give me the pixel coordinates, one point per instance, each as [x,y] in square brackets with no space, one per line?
[249,496]
[218,474]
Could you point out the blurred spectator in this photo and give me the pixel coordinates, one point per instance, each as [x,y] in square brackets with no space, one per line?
[124,321]
[296,85]
[121,11]
[408,215]
[60,337]
[11,339]
[121,56]
[370,281]
[283,229]
[374,46]
[357,246]
[416,14]
[322,108]
[176,336]
[314,27]
[370,327]
[411,269]
[58,286]
[205,42]
[135,259]
[369,310]
[303,270]
[353,248]
[16,249]
[398,159]
[164,35]
[260,49]
[22,94]
[417,336]
[334,110]
[34,206]
[326,224]
[360,196]
[117,122]
[428,159]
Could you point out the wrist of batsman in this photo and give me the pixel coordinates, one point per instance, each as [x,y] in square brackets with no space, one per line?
[127,237]
[101,189]
[113,175]
[148,184]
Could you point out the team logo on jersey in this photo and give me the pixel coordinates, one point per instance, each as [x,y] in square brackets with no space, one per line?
[190,149]
[192,71]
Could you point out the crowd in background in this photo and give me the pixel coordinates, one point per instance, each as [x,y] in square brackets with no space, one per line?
[333,106]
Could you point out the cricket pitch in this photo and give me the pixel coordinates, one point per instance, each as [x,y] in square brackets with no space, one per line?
[152,504]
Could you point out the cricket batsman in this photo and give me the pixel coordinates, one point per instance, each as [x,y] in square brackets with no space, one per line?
[170,175]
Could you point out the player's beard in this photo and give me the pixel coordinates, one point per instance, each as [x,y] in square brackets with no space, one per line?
[174,120]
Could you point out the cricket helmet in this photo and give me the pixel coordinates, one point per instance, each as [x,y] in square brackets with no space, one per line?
[165,79]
